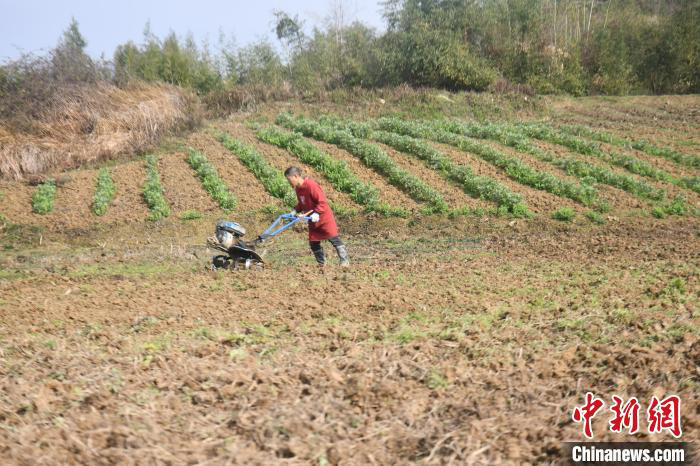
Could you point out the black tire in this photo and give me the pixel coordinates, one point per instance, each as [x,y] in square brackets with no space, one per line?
[221,262]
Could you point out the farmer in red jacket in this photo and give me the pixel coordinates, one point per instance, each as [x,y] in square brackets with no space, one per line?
[322,226]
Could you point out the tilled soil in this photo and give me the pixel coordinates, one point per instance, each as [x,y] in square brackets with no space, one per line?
[249,192]
[542,167]
[183,190]
[17,204]
[667,133]
[617,198]
[128,204]
[451,342]
[660,163]
[644,118]
[73,201]
[448,341]
[650,116]
[74,196]
[683,142]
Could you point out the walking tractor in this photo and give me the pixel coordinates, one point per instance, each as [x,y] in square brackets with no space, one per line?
[239,253]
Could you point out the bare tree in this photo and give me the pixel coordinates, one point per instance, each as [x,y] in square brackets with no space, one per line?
[337,23]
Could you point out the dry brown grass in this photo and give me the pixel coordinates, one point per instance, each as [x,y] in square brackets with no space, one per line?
[87,124]
[245,98]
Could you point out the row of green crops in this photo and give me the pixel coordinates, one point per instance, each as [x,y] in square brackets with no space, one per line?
[43,197]
[644,146]
[588,173]
[462,175]
[153,191]
[371,155]
[567,214]
[273,181]
[581,146]
[514,168]
[211,181]
[677,206]
[104,192]
[335,171]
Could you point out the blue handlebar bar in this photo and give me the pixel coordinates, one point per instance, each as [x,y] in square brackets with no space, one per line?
[287,221]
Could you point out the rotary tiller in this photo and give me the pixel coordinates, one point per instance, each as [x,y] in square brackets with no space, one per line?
[239,253]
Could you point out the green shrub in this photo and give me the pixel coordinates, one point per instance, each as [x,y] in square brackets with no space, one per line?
[595,217]
[692,183]
[274,182]
[211,181]
[153,191]
[603,207]
[520,210]
[190,215]
[104,192]
[371,155]
[678,206]
[658,212]
[340,211]
[565,214]
[42,200]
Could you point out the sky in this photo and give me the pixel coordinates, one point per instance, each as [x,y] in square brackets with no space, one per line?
[35,25]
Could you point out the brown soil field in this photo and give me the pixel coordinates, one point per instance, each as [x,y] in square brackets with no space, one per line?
[626,110]
[660,163]
[183,190]
[143,354]
[616,197]
[466,340]
[649,116]
[679,132]
[389,193]
[681,141]
[249,192]
[73,201]
[128,204]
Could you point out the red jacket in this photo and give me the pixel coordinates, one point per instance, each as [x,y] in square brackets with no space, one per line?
[311,197]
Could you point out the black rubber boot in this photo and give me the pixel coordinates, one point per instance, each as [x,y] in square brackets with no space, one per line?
[342,251]
[320,257]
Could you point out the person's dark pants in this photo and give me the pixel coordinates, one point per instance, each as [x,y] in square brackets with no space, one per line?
[340,248]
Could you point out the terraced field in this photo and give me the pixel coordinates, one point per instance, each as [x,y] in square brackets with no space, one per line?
[400,167]
[500,270]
